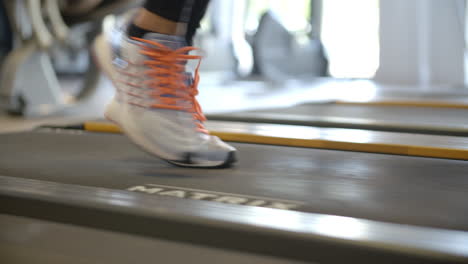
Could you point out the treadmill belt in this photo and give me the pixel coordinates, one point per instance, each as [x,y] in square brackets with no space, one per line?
[398,189]
[445,121]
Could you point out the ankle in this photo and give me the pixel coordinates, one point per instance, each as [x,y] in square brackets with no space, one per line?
[146,21]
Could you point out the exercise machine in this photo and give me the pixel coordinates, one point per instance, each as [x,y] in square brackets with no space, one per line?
[49,66]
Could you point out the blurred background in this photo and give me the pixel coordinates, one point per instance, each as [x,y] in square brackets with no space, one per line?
[258,53]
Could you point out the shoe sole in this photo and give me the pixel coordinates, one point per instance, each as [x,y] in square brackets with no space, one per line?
[231,159]
[98,46]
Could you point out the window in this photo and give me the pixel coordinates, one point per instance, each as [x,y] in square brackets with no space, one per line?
[350,34]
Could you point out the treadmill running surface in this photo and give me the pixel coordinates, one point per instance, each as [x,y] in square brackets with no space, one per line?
[426,116]
[406,190]
[421,120]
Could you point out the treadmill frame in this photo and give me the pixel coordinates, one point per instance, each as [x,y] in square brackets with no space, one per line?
[272,232]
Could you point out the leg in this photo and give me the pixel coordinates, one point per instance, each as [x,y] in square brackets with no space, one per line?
[198,12]
[174,17]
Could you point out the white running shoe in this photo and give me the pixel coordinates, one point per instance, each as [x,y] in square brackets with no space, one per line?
[155,102]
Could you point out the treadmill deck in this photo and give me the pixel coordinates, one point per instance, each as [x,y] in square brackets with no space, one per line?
[421,120]
[398,189]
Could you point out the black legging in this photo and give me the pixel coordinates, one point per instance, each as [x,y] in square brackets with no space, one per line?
[185,11]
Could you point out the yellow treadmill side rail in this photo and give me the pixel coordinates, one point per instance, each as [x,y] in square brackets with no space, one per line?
[381,148]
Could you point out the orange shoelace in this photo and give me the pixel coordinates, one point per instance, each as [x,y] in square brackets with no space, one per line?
[167,72]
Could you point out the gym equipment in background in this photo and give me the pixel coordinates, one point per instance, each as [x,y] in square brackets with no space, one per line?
[6,37]
[279,55]
[49,67]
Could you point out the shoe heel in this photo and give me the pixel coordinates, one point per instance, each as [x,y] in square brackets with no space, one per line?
[111,112]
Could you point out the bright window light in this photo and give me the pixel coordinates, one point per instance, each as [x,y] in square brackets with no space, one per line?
[350,33]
